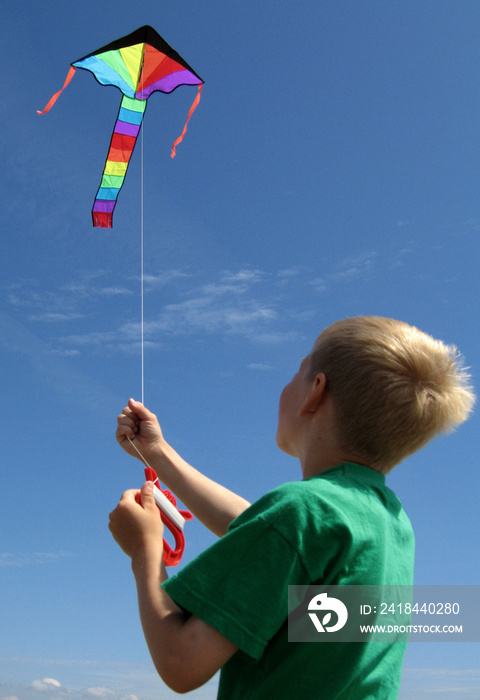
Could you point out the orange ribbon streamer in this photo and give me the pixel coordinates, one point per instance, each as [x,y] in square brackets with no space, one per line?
[192,109]
[55,97]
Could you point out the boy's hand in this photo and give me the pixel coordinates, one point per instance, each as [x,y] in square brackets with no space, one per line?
[138,423]
[136,524]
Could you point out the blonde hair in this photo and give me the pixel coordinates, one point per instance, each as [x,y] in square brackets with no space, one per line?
[394,387]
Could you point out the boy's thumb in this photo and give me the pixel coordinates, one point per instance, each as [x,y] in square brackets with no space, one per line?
[148,500]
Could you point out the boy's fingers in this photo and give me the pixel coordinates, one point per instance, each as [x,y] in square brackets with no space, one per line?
[128,414]
[126,497]
[147,498]
[123,422]
[140,410]
[124,434]
[126,425]
[129,496]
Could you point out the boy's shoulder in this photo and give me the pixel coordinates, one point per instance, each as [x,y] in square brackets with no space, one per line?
[333,495]
[347,478]
[344,511]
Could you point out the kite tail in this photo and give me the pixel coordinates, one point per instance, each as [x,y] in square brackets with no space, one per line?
[192,109]
[124,136]
[55,97]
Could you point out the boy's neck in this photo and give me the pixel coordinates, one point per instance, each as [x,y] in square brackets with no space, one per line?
[319,454]
[314,467]
[315,470]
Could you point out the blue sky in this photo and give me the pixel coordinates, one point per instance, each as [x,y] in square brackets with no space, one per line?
[331,169]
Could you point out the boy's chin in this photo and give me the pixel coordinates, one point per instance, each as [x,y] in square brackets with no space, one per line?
[285,447]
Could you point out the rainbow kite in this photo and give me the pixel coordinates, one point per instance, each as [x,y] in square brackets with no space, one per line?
[138,64]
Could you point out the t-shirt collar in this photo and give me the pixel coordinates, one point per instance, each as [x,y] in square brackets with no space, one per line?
[358,471]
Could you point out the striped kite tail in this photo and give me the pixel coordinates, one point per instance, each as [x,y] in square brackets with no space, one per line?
[123,141]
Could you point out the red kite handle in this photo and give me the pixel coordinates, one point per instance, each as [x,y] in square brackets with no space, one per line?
[172,518]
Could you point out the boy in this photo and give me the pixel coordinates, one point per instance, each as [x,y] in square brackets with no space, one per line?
[371,392]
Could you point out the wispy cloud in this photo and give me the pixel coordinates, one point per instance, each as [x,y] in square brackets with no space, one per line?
[31,558]
[400,257]
[118,681]
[228,305]
[40,304]
[114,292]
[50,359]
[66,303]
[55,689]
[206,313]
[349,269]
[163,279]
[235,282]
[444,683]
[48,685]
[101,693]
[248,303]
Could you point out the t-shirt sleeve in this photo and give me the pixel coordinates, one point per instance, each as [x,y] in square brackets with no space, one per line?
[239,585]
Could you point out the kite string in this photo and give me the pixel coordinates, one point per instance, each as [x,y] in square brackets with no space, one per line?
[142,324]
[138,452]
[141,262]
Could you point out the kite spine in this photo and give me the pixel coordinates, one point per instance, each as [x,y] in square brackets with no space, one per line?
[124,137]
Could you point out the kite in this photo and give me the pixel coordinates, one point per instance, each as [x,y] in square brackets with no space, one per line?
[138,64]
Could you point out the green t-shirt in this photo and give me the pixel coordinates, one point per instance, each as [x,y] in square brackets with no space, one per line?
[343,526]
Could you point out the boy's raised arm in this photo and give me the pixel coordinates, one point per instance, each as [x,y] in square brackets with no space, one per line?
[186,651]
[214,505]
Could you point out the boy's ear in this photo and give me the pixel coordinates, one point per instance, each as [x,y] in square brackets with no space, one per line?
[316,396]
